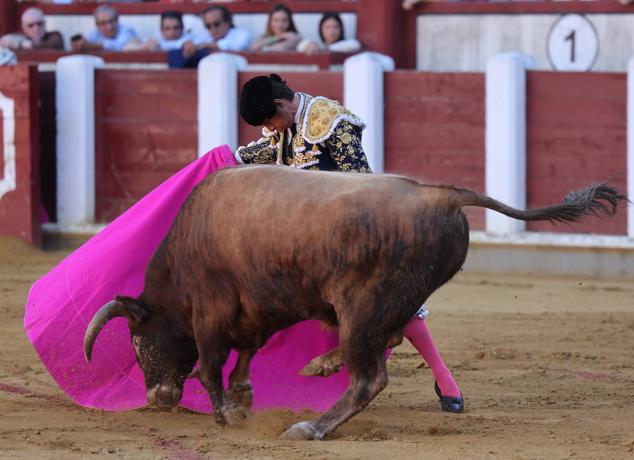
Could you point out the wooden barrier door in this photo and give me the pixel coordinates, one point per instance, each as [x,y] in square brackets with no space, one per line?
[19,154]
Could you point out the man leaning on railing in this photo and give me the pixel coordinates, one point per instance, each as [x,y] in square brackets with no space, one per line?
[33,34]
[109,35]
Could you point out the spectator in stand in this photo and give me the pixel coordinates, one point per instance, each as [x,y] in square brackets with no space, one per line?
[223,36]
[281,33]
[171,37]
[34,34]
[109,34]
[332,37]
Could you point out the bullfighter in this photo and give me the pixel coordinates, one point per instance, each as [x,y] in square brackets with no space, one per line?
[318,133]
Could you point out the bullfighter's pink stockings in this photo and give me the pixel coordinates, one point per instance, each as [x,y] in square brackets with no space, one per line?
[416,332]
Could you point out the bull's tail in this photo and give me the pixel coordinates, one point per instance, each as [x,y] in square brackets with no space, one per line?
[595,199]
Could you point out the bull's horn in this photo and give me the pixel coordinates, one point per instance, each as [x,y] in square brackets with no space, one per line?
[110,310]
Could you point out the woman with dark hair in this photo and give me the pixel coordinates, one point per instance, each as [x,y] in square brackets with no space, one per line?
[331,33]
[281,33]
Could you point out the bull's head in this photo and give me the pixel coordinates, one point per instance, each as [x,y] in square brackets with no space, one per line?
[165,356]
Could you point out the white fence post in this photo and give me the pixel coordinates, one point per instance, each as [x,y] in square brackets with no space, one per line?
[630,146]
[7,112]
[75,105]
[363,95]
[505,164]
[218,100]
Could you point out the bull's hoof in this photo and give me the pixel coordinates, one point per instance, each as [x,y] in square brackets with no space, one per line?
[234,415]
[220,419]
[302,431]
[320,367]
[241,394]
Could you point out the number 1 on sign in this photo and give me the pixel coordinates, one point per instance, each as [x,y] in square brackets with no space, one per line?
[572,44]
[571,37]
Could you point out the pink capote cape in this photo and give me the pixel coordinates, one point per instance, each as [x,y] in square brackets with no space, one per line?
[61,304]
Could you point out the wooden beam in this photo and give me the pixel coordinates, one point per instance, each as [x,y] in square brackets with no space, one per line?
[521,7]
[238,7]
[322,60]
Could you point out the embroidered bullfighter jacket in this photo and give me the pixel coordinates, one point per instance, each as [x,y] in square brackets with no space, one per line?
[325,136]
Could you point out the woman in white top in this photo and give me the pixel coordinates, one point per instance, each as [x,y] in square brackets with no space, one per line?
[281,33]
[332,37]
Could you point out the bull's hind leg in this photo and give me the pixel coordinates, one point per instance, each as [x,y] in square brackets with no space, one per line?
[364,355]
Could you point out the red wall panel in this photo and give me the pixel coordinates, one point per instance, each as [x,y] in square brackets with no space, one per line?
[146,130]
[1,147]
[19,208]
[576,135]
[434,130]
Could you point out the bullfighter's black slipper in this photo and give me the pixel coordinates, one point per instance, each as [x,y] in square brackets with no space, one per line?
[449,403]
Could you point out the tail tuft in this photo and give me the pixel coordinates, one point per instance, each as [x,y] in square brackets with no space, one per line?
[595,199]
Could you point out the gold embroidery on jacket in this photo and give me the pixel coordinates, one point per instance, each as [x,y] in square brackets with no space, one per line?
[322,116]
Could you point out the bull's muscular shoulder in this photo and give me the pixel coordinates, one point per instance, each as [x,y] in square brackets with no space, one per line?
[322,117]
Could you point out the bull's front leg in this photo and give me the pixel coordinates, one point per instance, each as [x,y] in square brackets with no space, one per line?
[212,360]
[213,342]
[240,390]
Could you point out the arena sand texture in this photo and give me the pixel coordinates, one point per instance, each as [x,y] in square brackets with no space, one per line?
[546,366]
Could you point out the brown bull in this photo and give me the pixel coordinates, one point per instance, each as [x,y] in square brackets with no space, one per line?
[257,249]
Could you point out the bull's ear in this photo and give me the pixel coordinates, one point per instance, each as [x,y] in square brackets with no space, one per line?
[134,310]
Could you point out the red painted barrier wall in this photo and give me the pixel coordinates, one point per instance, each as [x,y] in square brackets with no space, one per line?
[1,146]
[146,130]
[434,129]
[19,208]
[328,84]
[576,135]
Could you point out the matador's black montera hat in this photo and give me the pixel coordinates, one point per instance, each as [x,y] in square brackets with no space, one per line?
[256,99]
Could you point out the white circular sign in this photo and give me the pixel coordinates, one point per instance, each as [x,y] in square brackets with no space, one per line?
[573,43]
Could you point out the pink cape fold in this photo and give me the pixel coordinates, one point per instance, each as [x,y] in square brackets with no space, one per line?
[61,304]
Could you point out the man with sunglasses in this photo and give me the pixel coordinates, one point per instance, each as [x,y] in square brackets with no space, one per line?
[223,36]
[109,34]
[34,34]
[172,35]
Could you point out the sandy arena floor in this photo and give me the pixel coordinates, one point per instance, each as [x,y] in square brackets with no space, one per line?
[546,366]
